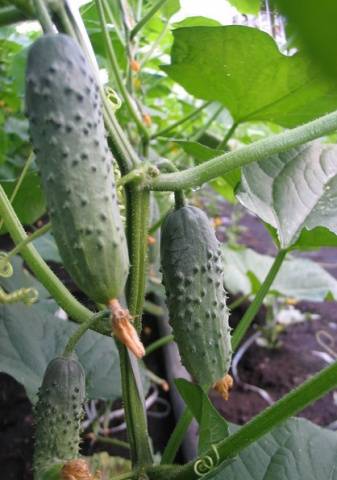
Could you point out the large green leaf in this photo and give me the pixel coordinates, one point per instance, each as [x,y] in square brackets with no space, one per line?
[247,6]
[212,426]
[298,278]
[297,450]
[315,23]
[293,190]
[243,69]
[31,336]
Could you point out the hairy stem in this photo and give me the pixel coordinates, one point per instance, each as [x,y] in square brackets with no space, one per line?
[254,307]
[196,176]
[116,72]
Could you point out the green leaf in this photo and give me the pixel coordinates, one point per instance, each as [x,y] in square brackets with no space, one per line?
[47,248]
[170,7]
[197,22]
[212,426]
[242,68]
[298,278]
[294,190]
[31,336]
[296,450]
[315,24]
[247,6]
[29,203]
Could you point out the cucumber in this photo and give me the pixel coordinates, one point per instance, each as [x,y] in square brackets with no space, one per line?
[67,132]
[58,415]
[192,268]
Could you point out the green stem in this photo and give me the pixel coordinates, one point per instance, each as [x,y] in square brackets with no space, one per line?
[254,307]
[43,16]
[112,441]
[43,273]
[38,233]
[260,150]
[291,404]
[222,145]
[113,21]
[137,220]
[115,70]
[236,303]
[10,15]
[161,342]
[206,126]
[179,199]
[154,45]
[180,122]
[77,335]
[19,181]
[177,437]
[147,17]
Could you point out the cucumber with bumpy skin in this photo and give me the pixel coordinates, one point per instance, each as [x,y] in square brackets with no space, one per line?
[58,415]
[193,277]
[66,125]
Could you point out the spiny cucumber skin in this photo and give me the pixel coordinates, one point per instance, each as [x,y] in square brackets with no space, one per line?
[67,131]
[192,269]
[58,415]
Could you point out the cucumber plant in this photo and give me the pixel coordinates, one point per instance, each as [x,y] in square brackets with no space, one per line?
[79,139]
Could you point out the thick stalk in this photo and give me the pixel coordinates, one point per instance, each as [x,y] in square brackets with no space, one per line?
[291,404]
[147,17]
[180,122]
[196,176]
[254,307]
[116,73]
[135,415]
[43,273]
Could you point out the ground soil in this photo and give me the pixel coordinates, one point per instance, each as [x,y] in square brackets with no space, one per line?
[275,371]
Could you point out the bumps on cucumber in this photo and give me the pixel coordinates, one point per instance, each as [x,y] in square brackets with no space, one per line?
[68,136]
[193,277]
[58,414]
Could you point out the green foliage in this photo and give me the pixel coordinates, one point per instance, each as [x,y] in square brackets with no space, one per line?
[247,6]
[243,69]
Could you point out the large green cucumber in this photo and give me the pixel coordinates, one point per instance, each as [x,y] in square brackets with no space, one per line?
[193,277]
[58,414]
[66,125]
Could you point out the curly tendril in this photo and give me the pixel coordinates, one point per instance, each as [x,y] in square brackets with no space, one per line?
[25,295]
[6,269]
[205,464]
[113,98]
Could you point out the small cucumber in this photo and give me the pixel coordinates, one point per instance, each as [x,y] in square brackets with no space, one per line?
[192,269]
[67,131]
[58,415]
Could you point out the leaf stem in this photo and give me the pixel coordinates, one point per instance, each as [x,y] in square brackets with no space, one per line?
[161,342]
[180,122]
[112,441]
[43,16]
[77,335]
[20,180]
[38,233]
[147,17]
[228,135]
[254,307]
[177,437]
[260,150]
[154,45]
[115,70]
